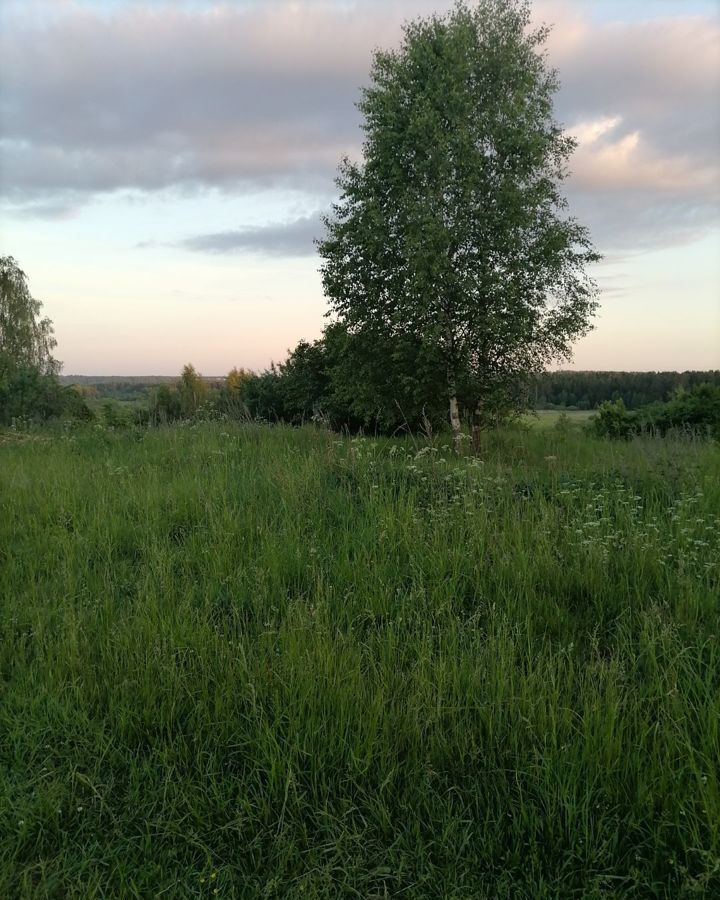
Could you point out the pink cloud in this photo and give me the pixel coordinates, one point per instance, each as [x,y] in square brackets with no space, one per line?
[604,162]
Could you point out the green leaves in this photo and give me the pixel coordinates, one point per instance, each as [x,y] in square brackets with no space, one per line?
[26,341]
[453,229]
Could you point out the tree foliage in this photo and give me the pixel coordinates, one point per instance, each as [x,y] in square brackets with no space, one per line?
[333,381]
[28,395]
[587,390]
[29,388]
[453,233]
[192,391]
[26,339]
[695,411]
[164,406]
[237,379]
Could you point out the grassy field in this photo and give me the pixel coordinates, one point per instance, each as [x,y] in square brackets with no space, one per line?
[240,661]
[548,418]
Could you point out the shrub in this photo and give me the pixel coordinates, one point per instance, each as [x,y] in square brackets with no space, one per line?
[165,406]
[113,415]
[614,421]
[695,410]
[28,394]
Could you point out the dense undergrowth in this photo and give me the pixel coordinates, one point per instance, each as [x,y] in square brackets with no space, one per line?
[242,661]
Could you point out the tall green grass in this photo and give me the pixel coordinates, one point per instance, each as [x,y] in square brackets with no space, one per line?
[240,661]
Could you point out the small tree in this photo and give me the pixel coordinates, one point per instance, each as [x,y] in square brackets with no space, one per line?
[237,379]
[26,340]
[613,420]
[192,391]
[232,395]
[164,406]
[453,230]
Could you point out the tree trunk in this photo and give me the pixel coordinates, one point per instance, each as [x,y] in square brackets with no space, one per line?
[477,429]
[455,422]
[455,418]
[455,415]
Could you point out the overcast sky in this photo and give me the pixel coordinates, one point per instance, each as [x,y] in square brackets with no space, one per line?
[163,167]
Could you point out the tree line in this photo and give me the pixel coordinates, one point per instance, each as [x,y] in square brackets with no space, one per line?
[562,390]
[587,390]
[331,381]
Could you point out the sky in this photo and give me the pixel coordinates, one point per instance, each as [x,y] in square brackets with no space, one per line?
[164,167]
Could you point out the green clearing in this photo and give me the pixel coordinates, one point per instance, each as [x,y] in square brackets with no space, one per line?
[242,661]
[548,418]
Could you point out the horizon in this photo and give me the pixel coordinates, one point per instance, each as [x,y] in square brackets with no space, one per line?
[206,377]
[163,171]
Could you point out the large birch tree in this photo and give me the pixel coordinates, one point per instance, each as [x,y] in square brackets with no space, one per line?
[453,228]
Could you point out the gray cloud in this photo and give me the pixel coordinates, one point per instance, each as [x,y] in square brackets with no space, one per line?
[295,238]
[642,99]
[631,222]
[150,99]
[196,95]
[58,211]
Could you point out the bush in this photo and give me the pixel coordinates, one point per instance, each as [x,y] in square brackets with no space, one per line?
[30,395]
[696,410]
[114,416]
[614,421]
[74,405]
[165,406]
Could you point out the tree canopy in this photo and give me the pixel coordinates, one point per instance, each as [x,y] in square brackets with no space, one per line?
[452,231]
[29,387]
[26,340]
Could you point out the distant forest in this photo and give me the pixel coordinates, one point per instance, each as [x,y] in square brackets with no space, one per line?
[552,390]
[587,390]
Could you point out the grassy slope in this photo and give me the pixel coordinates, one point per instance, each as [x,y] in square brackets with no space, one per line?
[244,662]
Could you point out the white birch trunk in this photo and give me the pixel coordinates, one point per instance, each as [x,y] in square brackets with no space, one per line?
[455,423]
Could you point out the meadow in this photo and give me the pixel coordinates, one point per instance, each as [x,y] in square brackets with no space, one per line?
[251,661]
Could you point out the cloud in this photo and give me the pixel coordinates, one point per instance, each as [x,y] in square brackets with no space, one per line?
[54,211]
[641,99]
[614,160]
[633,195]
[149,98]
[197,95]
[295,238]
